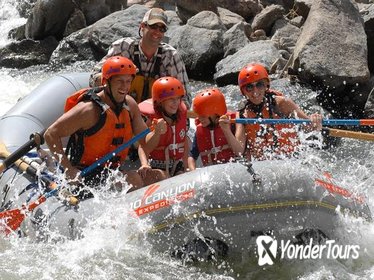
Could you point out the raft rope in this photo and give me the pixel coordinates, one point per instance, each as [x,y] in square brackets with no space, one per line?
[6,206]
[256,178]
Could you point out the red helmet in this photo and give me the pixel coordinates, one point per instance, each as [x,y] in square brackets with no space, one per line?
[252,73]
[165,88]
[117,65]
[209,102]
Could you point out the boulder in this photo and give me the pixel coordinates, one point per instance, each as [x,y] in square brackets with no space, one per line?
[331,50]
[27,52]
[227,69]
[92,42]
[48,18]
[200,44]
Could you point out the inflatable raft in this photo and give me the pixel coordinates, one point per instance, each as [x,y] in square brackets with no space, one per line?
[225,206]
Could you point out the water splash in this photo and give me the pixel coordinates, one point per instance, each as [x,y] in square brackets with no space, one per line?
[9,19]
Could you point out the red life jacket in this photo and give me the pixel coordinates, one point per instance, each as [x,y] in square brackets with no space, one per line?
[264,140]
[212,144]
[171,144]
[86,147]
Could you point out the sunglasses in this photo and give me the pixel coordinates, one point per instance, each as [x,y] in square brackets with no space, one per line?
[259,85]
[161,28]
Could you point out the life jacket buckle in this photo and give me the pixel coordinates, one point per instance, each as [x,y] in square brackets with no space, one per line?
[173,147]
[215,150]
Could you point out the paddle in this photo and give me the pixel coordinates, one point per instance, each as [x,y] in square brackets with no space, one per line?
[347,133]
[14,218]
[333,122]
[36,139]
[352,122]
[327,131]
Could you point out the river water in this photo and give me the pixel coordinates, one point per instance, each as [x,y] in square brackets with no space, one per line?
[105,253]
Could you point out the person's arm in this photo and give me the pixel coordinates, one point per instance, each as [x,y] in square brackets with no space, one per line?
[153,138]
[240,134]
[81,116]
[191,163]
[143,157]
[235,145]
[137,123]
[185,155]
[288,107]
[193,154]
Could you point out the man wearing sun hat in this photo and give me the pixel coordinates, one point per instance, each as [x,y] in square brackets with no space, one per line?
[153,58]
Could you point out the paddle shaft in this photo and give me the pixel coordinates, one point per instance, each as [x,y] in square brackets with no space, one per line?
[348,134]
[14,218]
[327,131]
[30,170]
[36,139]
[333,122]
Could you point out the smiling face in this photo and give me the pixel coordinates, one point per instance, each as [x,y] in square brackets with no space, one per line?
[255,92]
[171,105]
[206,120]
[120,86]
[153,34]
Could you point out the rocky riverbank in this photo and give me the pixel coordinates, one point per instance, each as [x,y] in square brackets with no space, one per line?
[324,44]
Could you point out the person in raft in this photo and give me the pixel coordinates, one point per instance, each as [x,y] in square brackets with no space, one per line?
[214,140]
[167,152]
[153,58]
[97,121]
[261,141]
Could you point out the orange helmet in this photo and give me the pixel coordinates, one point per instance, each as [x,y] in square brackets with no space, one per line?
[209,102]
[165,88]
[117,65]
[252,73]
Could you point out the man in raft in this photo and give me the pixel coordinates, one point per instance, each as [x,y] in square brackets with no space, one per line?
[97,121]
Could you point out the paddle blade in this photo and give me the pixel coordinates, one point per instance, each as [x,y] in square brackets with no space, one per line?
[11,220]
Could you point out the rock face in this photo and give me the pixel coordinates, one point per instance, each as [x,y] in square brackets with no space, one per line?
[264,52]
[30,52]
[332,46]
[94,10]
[47,19]
[368,16]
[245,8]
[92,42]
[200,55]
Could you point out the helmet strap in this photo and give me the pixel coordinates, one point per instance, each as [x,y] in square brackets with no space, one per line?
[117,106]
[173,117]
[212,124]
[254,107]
